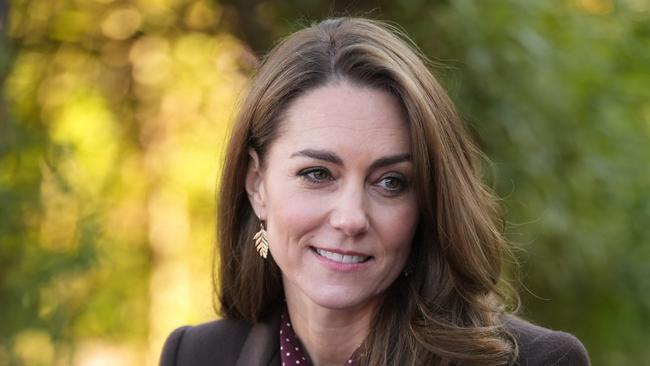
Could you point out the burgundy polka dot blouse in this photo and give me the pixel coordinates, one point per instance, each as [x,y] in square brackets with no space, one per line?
[290,349]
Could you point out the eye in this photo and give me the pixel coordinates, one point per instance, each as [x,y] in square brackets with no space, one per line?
[393,184]
[316,174]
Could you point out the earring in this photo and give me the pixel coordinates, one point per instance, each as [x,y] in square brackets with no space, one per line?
[261,241]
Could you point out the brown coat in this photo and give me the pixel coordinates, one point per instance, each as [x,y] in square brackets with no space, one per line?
[236,343]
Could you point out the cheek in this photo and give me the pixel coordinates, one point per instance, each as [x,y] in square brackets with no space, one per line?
[397,227]
[291,215]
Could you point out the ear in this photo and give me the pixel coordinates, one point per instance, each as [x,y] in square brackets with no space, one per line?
[255,186]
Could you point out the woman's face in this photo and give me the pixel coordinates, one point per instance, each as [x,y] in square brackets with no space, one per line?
[336,194]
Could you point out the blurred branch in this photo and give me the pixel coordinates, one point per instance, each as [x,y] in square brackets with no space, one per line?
[4,15]
[4,42]
[240,18]
[5,57]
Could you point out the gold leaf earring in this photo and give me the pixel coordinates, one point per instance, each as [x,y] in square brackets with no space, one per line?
[261,241]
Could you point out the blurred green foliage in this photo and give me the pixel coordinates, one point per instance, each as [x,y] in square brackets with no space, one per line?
[112,112]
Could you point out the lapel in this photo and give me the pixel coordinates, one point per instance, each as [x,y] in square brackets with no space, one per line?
[262,346]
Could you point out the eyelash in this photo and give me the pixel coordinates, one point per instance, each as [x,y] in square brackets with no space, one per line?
[403,184]
[308,175]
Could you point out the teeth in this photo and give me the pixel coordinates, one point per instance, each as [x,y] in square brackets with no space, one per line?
[340,258]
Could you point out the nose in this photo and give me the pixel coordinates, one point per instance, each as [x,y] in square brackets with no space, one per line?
[350,213]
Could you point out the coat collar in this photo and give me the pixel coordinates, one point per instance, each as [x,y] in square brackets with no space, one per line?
[262,346]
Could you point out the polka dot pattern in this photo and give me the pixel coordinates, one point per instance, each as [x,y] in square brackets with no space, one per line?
[290,350]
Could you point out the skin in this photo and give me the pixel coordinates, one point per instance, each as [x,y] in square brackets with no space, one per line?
[337,178]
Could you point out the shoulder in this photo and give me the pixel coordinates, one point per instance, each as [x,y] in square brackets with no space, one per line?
[541,346]
[216,342]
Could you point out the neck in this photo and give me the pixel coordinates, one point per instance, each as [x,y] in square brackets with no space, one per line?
[330,336]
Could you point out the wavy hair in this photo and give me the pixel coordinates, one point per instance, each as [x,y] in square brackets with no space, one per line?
[449,310]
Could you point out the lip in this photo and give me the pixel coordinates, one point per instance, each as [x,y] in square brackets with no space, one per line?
[341,267]
[342,252]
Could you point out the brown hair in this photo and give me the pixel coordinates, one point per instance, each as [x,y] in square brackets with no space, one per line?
[449,309]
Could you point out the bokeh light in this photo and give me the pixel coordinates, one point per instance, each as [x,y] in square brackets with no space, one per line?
[113,120]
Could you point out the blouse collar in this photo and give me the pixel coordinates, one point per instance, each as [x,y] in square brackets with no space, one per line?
[291,352]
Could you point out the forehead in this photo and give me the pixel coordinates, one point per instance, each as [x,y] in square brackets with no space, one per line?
[342,113]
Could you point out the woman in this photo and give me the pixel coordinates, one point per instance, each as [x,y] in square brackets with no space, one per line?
[352,224]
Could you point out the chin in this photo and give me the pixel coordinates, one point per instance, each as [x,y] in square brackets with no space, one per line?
[342,299]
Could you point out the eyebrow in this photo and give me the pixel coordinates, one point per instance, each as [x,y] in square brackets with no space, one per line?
[319,155]
[331,157]
[390,160]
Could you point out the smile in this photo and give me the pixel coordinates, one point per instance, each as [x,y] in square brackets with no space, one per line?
[341,258]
